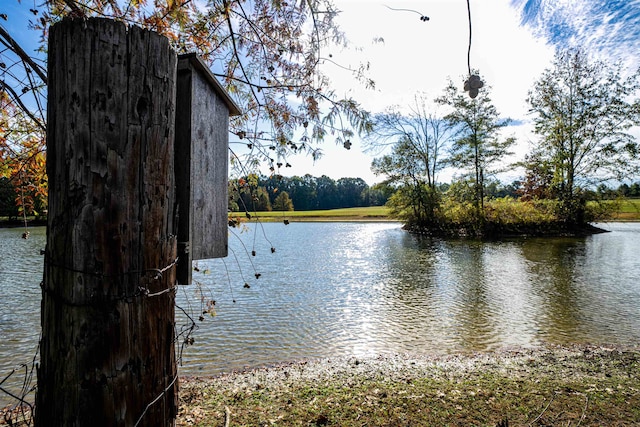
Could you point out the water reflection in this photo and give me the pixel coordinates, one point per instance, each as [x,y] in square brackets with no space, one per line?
[474,310]
[372,288]
[352,289]
[21,267]
[552,266]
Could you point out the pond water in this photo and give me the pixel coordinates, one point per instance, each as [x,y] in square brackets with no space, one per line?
[369,288]
[341,289]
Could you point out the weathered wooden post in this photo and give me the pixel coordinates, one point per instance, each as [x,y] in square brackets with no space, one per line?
[107,346]
[202,164]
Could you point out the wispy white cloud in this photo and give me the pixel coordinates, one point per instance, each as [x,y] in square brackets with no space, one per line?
[608,28]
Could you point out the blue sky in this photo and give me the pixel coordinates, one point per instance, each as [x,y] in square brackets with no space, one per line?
[17,23]
[513,42]
[609,27]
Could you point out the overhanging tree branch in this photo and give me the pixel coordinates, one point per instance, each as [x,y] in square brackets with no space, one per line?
[8,41]
[17,99]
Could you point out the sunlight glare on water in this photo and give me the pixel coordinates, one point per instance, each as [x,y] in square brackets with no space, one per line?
[364,288]
[353,289]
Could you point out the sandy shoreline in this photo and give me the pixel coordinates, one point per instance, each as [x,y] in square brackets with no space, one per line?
[517,362]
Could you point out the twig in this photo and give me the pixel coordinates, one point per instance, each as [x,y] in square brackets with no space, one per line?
[584,410]
[15,48]
[227,416]
[543,411]
[422,17]
[153,402]
[23,107]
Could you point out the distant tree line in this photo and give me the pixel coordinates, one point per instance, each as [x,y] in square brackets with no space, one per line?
[624,190]
[8,206]
[277,192]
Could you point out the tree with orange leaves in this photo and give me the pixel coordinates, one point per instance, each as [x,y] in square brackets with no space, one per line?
[267,53]
[22,124]
[22,157]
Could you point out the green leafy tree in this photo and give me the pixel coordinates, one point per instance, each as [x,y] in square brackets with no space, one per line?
[248,195]
[538,179]
[462,190]
[308,192]
[624,190]
[8,207]
[380,193]
[256,200]
[477,146]
[584,111]
[274,184]
[327,193]
[283,202]
[415,201]
[302,191]
[351,192]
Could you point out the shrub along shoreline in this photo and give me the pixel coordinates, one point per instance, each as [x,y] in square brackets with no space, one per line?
[503,218]
[626,211]
[508,217]
[497,230]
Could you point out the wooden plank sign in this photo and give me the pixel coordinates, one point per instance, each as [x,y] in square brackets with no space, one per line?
[203,109]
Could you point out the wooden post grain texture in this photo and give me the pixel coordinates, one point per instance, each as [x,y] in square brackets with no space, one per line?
[107,346]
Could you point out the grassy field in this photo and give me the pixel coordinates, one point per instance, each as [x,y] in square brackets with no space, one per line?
[373,213]
[629,210]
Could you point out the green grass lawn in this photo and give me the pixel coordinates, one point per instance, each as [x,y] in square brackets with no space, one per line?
[629,210]
[630,206]
[354,214]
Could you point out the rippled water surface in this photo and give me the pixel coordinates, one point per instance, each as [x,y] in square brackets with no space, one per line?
[335,289]
[362,288]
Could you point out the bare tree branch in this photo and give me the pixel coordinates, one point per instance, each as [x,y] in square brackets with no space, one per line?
[15,47]
[17,99]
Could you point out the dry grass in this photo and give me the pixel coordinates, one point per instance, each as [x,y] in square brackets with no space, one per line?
[567,387]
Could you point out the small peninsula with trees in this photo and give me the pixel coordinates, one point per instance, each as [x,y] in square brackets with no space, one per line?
[583,111]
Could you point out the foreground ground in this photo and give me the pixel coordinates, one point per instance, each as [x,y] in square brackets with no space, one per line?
[580,386]
[577,386]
